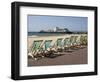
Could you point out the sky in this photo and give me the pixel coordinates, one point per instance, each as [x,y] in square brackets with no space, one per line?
[44,22]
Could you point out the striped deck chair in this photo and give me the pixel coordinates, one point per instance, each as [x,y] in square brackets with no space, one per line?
[83,41]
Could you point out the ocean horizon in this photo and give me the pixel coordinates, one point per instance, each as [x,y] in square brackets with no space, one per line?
[51,33]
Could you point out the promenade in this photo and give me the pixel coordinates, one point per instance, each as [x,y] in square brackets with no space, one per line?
[70,58]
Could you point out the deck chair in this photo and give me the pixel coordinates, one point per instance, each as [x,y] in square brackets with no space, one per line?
[67,45]
[83,41]
[75,42]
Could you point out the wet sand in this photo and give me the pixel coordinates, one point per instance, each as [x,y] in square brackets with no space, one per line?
[70,58]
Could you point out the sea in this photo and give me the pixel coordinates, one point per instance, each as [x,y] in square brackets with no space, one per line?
[45,33]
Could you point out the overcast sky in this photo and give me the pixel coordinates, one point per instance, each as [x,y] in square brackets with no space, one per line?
[40,22]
